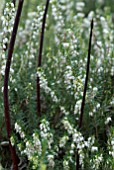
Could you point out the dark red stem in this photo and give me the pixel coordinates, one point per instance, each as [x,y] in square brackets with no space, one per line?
[86,79]
[40,58]
[85,88]
[6,80]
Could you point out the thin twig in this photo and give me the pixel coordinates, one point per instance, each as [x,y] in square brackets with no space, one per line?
[85,89]
[40,58]
[6,80]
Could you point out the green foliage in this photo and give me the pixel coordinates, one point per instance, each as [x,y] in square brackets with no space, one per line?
[53,143]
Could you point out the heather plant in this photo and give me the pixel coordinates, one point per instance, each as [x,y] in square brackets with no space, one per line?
[52,137]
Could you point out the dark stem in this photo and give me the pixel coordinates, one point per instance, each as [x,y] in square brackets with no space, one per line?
[40,58]
[6,80]
[77,161]
[85,88]
[86,79]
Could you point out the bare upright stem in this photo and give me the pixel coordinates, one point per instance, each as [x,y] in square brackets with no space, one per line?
[85,89]
[40,58]
[6,80]
[87,75]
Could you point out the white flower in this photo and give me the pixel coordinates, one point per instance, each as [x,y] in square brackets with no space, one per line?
[67,125]
[91,114]
[72,145]
[12,140]
[51,160]
[17,128]
[63,141]
[80,14]
[99,43]
[22,134]
[90,15]
[95,89]
[113,154]
[63,110]
[80,6]
[94,148]
[2,89]
[66,165]
[65,44]
[12,5]
[112,142]
[5,40]
[108,120]
[98,105]
[71,152]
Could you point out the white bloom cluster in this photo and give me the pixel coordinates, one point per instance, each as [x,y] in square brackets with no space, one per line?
[45,132]
[51,162]
[28,37]
[32,147]
[64,111]
[95,109]
[77,107]
[90,142]
[19,130]
[86,21]
[70,43]
[104,26]
[67,126]
[82,156]
[66,165]
[63,141]
[101,1]
[58,17]
[45,87]
[108,119]
[7,22]
[80,6]
[37,21]
[78,89]
[111,144]
[30,150]
[37,143]
[48,136]
[96,162]
[66,7]
[68,77]
[80,144]
[66,162]
[31,28]
[112,69]
[12,140]
[78,139]
[7,25]
[94,148]
[112,101]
